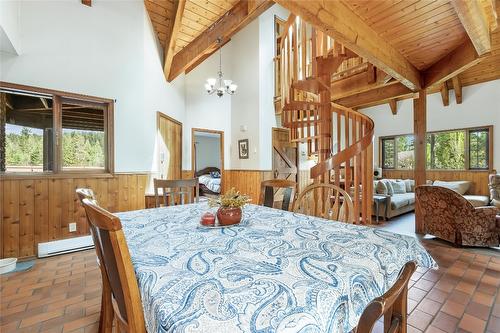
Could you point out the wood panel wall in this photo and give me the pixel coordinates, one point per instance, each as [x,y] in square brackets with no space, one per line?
[245,181]
[478,178]
[40,209]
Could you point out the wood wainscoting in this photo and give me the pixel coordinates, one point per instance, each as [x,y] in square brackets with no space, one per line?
[479,179]
[245,181]
[37,210]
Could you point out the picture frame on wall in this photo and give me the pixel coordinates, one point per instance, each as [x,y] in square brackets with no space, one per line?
[243,149]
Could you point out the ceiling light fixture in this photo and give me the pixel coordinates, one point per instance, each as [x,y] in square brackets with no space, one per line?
[220,86]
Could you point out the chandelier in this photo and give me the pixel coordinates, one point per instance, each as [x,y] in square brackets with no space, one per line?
[218,85]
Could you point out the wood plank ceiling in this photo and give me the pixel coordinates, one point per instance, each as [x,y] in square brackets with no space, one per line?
[422,30]
[197,17]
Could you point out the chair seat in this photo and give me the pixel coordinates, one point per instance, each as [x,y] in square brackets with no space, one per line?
[478,200]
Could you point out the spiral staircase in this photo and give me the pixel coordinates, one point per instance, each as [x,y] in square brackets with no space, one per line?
[339,138]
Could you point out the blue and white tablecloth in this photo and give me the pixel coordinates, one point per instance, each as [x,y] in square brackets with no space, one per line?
[275,272]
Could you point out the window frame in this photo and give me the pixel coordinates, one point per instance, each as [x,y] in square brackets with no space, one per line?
[468,130]
[58,97]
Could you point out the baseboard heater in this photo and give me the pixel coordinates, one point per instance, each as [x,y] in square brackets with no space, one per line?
[65,246]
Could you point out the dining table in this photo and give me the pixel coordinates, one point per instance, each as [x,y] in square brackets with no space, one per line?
[276,271]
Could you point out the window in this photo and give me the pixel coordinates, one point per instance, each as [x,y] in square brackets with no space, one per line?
[446,150]
[405,152]
[397,152]
[388,153]
[479,145]
[43,131]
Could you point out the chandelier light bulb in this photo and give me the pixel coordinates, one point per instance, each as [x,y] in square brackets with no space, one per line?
[232,88]
[211,81]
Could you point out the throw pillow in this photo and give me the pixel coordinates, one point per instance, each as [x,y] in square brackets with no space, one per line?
[381,188]
[390,189]
[410,185]
[399,187]
[215,174]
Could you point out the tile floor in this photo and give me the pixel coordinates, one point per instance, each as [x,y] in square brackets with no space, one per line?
[62,294]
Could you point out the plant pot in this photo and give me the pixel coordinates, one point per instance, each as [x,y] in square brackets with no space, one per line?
[229,216]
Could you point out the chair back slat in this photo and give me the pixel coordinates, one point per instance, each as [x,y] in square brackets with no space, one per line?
[118,265]
[392,305]
[269,188]
[326,201]
[176,191]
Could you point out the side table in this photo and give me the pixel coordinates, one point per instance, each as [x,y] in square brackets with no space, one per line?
[377,200]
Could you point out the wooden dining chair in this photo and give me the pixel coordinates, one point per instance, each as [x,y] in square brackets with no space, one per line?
[125,296]
[106,318]
[268,189]
[176,191]
[392,305]
[326,201]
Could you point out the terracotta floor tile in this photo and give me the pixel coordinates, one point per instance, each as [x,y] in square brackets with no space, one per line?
[453,308]
[437,295]
[429,306]
[445,322]
[416,294]
[472,324]
[433,329]
[487,288]
[494,324]
[478,310]
[459,297]
[424,284]
[483,298]
[419,319]
[465,287]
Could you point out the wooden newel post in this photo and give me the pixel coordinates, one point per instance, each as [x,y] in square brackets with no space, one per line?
[419,132]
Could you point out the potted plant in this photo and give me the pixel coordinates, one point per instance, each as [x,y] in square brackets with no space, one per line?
[229,204]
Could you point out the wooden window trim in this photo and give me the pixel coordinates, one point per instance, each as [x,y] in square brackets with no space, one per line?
[57,98]
[467,130]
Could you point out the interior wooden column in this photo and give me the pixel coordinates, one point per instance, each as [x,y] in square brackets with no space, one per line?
[419,132]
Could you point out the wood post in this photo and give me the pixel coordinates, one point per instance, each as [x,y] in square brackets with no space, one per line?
[419,131]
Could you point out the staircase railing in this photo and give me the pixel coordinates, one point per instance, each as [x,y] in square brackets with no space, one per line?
[341,137]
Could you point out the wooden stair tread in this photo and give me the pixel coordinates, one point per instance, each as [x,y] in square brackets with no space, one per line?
[312,85]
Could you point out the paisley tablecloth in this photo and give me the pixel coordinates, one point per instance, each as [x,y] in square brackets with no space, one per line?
[275,272]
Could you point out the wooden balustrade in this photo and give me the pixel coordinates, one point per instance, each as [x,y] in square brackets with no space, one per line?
[341,137]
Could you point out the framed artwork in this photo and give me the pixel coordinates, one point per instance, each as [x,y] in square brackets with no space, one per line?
[243,148]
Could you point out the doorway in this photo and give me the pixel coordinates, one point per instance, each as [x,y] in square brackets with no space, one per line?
[170,147]
[207,159]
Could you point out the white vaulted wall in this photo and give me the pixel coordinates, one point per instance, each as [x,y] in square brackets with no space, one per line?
[107,50]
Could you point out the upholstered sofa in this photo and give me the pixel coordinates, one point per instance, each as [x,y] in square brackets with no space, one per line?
[397,203]
[451,217]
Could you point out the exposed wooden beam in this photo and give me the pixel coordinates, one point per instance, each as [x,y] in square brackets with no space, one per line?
[44,102]
[202,59]
[170,45]
[339,22]
[87,2]
[394,106]
[420,143]
[457,87]
[356,83]
[230,23]
[394,90]
[457,61]
[445,96]
[475,22]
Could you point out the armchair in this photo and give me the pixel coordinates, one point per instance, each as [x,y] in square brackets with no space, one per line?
[494,185]
[449,216]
